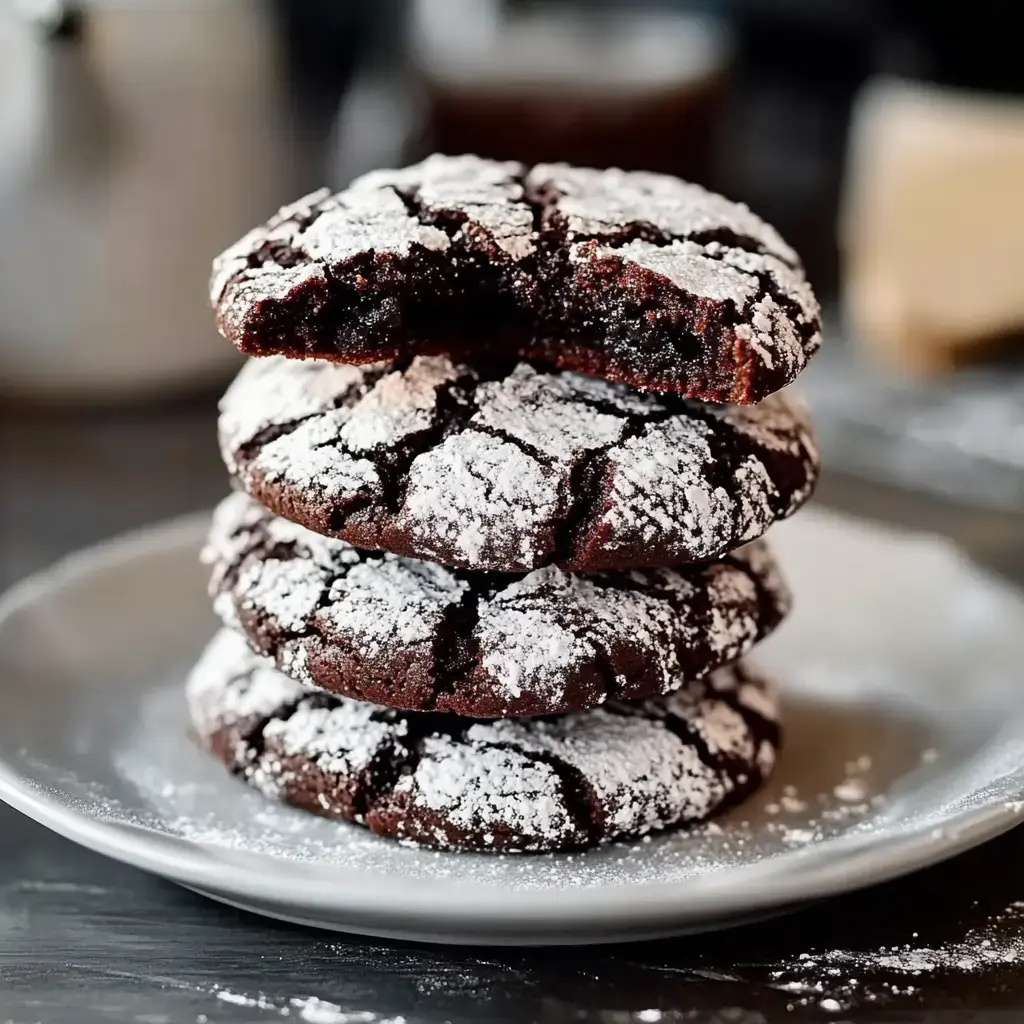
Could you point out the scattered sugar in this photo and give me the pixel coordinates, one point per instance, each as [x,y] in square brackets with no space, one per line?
[321,1011]
[311,1009]
[790,802]
[851,791]
[843,976]
[259,1001]
[799,836]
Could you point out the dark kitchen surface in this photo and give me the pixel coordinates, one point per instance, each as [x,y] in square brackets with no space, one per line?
[83,939]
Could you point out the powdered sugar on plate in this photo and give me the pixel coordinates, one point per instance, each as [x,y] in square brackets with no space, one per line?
[889,661]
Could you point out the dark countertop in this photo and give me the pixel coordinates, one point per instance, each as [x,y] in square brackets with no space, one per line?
[84,939]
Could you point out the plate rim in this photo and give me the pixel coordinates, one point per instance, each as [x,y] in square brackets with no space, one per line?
[851,862]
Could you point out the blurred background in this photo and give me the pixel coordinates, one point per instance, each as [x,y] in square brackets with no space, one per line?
[137,139]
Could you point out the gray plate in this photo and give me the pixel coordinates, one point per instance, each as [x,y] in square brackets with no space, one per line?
[905,744]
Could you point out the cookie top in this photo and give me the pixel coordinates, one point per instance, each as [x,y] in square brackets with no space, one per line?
[626,275]
[414,635]
[537,784]
[509,468]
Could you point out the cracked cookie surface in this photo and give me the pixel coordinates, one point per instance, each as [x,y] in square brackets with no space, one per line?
[414,635]
[532,785]
[508,468]
[630,276]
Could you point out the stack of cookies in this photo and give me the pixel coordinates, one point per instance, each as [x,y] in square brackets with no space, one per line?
[501,468]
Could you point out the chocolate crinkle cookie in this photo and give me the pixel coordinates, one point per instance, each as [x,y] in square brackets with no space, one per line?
[630,276]
[507,467]
[413,635]
[437,780]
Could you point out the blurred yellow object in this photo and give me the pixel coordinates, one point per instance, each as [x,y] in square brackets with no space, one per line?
[932,226]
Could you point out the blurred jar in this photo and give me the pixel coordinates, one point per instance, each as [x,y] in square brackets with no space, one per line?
[136,141]
[590,84]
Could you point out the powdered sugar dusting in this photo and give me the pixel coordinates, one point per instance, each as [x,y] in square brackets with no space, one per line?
[780,424]
[528,650]
[391,600]
[540,629]
[307,457]
[328,231]
[642,775]
[682,263]
[600,207]
[537,639]
[358,220]
[289,591]
[262,691]
[470,490]
[241,288]
[275,391]
[660,489]
[229,537]
[598,203]
[324,454]
[399,404]
[723,728]
[790,281]
[731,596]
[311,1009]
[341,739]
[612,394]
[493,486]
[543,410]
[486,191]
[764,567]
[314,1010]
[517,778]
[482,787]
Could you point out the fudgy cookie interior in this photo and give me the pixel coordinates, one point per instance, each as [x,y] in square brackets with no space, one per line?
[633,277]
